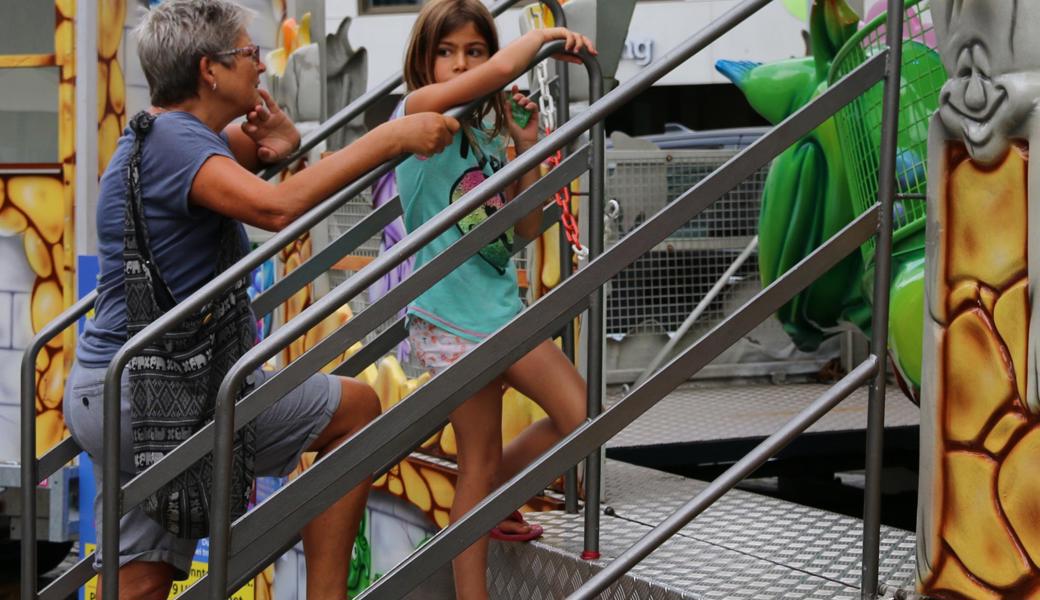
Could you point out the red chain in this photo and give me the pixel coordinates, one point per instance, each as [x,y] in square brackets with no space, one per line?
[563,200]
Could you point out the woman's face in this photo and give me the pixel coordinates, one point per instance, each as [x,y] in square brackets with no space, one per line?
[458,52]
[239,80]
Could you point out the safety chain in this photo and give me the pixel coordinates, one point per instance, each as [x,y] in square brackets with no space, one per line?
[547,110]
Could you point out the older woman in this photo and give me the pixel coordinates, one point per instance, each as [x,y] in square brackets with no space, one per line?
[195,166]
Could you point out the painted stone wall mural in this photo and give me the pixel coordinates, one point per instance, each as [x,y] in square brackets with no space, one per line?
[978,535]
[37,211]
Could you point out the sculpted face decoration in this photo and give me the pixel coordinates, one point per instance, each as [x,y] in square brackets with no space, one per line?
[993,84]
[975,105]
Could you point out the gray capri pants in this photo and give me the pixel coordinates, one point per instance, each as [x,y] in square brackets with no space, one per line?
[283,432]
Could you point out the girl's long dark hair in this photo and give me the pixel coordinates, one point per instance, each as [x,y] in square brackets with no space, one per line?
[438,19]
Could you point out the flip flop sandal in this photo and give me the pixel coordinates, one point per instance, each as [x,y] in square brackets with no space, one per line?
[533,533]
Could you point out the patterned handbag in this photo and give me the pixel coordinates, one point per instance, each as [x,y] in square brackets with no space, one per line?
[174,380]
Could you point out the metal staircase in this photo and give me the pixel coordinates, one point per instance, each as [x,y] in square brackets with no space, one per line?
[239,550]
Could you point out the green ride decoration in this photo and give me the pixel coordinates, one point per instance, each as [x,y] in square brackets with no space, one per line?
[827,178]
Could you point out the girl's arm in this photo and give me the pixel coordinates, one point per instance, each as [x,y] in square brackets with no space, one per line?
[504,66]
[226,187]
[529,226]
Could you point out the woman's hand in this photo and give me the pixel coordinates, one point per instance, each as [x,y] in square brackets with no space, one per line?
[526,136]
[423,133]
[573,42]
[271,130]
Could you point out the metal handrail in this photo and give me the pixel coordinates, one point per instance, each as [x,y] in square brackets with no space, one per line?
[882,283]
[728,480]
[356,108]
[60,455]
[224,411]
[467,529]
[483,516]
[30,472]
[112,508]
[388,437]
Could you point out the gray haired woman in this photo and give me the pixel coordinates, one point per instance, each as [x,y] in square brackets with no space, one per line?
[195,171]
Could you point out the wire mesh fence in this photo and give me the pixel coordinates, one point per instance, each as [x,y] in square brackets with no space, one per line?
[657,292]
[859,122]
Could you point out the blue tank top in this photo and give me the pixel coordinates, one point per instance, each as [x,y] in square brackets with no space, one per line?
[184,237]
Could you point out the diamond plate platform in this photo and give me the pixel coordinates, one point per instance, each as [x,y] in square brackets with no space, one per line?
[745,546]
[698,413]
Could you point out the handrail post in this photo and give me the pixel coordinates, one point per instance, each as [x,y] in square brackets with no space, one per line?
[594,384]
[563,114]
[30,464]
[879,321]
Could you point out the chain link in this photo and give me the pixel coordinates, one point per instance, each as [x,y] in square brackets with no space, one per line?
[547,111]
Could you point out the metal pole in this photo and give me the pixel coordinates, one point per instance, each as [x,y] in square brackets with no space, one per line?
[563,114]
[594,385]
[727,481]
[882,283]
[30,465]
[697,311]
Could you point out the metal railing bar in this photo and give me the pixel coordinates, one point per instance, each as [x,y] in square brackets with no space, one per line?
[394,334]
[595,327]
[33,470]
[244,561]
[634,245]
[698,310]
[224,414]
[356,108]
[111,492]
[729,479]
[325,351]
[347,241]
[323,260]
[349,470]
[69,581]
[398,297]
[882,283]
[574,125]
[57,457]
[459,535]
[374,350]
[297,503]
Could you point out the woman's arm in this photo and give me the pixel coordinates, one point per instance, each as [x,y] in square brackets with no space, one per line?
[226,187]
[505,66]
[267,136]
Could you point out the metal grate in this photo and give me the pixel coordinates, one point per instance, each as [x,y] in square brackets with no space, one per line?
[657,292]
[859,122]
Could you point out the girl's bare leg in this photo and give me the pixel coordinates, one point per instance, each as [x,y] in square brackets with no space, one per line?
[478,432]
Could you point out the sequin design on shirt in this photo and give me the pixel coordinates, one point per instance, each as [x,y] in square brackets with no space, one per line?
[498,252]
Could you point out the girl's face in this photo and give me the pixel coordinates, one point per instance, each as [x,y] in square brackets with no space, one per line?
[458,52]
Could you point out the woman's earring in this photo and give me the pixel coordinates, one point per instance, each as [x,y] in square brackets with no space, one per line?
[214,86]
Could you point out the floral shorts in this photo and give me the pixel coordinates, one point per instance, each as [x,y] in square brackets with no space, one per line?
[436,348]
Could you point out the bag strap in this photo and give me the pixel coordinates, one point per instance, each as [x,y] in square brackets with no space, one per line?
[135,237]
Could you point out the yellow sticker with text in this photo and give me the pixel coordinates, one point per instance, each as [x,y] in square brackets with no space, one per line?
[198,569]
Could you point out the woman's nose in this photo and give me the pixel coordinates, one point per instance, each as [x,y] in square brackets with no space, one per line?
[260,66]
[460,61]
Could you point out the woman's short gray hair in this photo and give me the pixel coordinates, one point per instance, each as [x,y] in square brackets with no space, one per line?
[175,35]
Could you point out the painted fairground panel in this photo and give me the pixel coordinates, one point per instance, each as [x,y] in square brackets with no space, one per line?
[977,533]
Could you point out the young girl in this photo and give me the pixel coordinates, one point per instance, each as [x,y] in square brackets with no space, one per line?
[453,58]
